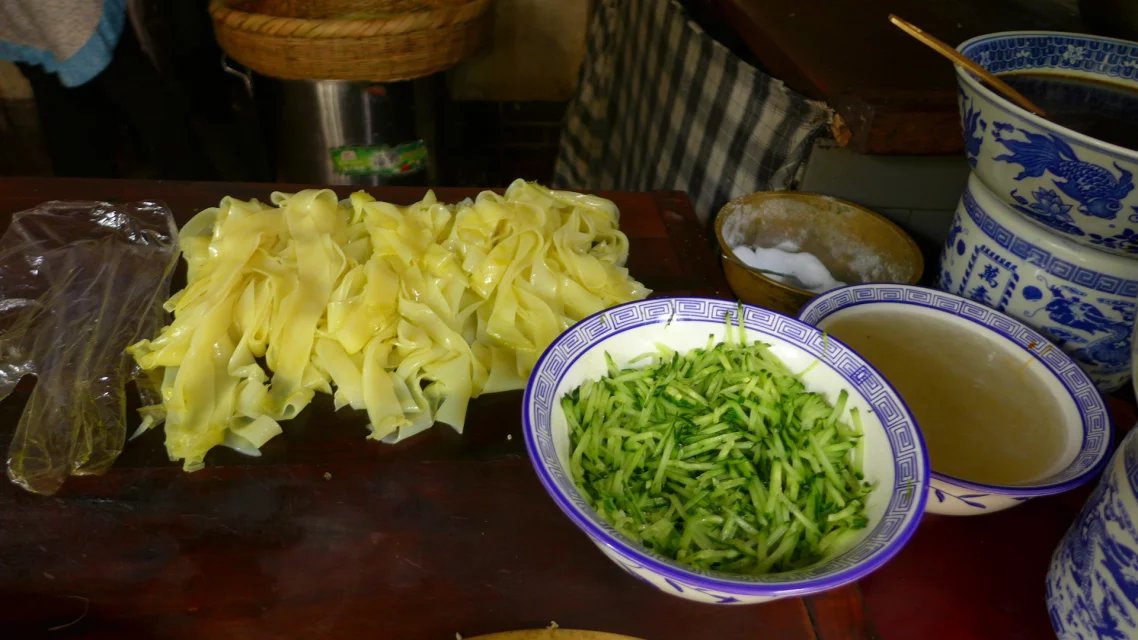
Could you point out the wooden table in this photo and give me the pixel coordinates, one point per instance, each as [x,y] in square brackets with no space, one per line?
[331,535]
[894,95]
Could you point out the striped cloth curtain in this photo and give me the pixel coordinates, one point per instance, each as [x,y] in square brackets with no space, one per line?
[661,105]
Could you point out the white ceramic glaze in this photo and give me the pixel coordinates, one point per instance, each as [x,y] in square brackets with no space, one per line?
[1063,180]
[1081,299]
[1092,584]
[1084,413]
[894,457]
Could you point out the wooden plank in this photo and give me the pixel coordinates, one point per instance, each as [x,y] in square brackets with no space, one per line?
[895,95]
[839,614]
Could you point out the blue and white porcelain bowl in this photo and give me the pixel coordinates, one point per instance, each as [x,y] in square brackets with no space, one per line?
[1082,300]
[1092,585]
[894,456]
[1073,184]
[1083,412]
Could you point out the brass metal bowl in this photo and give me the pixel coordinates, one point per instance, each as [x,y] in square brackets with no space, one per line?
[857,245]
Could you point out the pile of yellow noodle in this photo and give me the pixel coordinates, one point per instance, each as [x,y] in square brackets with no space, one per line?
[404,312]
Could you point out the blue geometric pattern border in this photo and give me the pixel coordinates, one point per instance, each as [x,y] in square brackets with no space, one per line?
[1043,259]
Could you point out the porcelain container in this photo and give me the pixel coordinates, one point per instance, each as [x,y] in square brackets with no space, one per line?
[1075,185]
[894,456]
[1080,299]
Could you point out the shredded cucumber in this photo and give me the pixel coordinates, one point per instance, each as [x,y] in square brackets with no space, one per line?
[718,458]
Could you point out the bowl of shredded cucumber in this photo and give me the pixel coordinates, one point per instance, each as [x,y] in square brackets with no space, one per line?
[724,453]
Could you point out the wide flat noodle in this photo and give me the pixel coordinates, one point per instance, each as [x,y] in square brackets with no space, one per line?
[403,312]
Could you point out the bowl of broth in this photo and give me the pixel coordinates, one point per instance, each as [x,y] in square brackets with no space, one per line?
[1073,170]
[1006,416]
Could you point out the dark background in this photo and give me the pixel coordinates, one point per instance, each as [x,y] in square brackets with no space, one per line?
[165,109]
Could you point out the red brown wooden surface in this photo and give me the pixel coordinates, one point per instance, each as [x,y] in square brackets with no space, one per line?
[895,95]
[331,535]
[983,576]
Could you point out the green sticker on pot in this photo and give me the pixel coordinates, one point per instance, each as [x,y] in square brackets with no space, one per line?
[380,160]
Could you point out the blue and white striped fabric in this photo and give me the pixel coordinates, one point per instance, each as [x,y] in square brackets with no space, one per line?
[661,105]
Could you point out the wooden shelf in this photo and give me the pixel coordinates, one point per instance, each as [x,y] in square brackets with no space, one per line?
[894,95]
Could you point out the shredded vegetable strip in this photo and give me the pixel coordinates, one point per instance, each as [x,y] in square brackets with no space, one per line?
[718,458]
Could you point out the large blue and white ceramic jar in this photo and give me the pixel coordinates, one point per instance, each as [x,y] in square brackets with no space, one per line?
[1092,586]
[1081,299]
[1073,184]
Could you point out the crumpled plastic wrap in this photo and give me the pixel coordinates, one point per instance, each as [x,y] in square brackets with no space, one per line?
[79,281]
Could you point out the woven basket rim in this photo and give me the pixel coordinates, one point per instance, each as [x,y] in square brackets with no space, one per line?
[232,18]
[401,47]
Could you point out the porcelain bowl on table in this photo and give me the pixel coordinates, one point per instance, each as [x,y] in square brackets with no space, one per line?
[894,457]
[1092,584]
[1080,299]
[1077,186]
[1084,420]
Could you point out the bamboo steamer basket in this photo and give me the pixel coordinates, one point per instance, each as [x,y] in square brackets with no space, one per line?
[369,40]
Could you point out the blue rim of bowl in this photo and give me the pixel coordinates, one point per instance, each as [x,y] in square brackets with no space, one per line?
[1030,491]
[719,581]
[1005,105]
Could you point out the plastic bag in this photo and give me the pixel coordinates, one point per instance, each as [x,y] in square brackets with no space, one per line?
[79,281]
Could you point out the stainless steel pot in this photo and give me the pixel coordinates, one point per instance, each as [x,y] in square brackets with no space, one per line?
[347,132]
